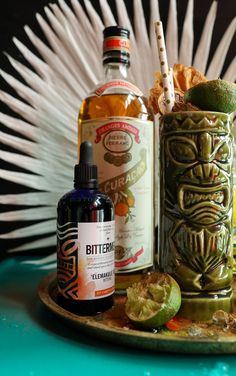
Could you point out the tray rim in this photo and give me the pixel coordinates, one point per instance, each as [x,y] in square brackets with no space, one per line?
[131,337]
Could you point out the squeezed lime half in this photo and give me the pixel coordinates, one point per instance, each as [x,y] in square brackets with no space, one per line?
[153,301]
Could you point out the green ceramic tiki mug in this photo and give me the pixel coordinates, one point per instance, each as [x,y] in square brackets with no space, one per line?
[196,154]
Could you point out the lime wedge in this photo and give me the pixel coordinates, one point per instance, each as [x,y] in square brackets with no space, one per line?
[153,301]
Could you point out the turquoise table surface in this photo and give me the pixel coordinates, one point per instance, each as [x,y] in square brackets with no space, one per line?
[34,342]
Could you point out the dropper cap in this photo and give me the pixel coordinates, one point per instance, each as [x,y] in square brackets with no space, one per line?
[86,171]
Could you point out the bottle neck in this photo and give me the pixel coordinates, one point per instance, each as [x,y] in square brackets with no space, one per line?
[113,71]
[86,187]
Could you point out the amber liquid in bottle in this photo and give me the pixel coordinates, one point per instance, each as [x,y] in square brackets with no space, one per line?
[108,106]
[113,105]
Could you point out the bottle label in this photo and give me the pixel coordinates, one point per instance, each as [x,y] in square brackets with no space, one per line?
[116,43]
[85,260]
[118,84]
[123,151]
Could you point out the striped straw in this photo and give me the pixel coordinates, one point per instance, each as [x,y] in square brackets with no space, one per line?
[166,76]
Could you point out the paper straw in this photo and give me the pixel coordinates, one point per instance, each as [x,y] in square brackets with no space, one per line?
[168,91]
[172,83]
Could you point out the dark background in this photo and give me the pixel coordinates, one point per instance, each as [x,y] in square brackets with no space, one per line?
[15,14]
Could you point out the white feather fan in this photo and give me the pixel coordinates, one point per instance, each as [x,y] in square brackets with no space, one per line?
[53,90]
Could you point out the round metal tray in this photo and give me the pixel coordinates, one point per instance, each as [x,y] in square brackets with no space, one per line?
[113,326]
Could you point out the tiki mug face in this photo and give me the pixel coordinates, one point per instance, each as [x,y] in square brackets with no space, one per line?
[196,200]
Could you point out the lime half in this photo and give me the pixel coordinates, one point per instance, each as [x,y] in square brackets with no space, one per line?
[215,95]
[153,301]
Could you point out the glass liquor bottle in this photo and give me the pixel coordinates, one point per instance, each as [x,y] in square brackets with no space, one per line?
[115,117]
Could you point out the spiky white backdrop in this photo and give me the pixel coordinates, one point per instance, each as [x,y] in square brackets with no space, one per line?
[51,92]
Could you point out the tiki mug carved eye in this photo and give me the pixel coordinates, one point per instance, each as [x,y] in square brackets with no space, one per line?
[223,153]
[182,150]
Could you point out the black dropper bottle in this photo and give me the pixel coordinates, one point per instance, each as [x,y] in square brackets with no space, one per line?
[85,242]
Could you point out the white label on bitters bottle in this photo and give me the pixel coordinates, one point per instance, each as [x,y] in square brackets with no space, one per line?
[123,151]
[86,260]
